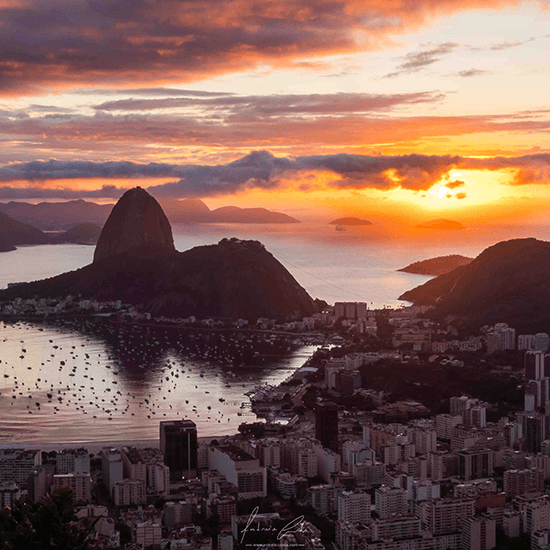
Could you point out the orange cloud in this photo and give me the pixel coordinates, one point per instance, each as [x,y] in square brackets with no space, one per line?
[229,121]
[124,42]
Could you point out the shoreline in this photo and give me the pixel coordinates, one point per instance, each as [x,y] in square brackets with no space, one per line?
[96,446]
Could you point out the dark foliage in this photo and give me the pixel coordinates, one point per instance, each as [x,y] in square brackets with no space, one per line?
[46,524]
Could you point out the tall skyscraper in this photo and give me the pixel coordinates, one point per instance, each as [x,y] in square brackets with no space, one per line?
[326,425]
[534,365]
[178,443]
[535,429]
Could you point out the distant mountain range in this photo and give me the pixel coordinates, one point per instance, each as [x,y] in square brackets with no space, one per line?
[508,282]
[135,261]
[437,266]
[55,216]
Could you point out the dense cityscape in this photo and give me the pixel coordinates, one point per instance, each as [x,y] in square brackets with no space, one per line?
[335,464]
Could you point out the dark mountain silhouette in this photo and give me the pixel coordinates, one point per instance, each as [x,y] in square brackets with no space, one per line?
[440,224]
[13,233]
[350,221]
[231,279]
[136,221]
[84,233]
[508,282]
[437,266]
[6,247]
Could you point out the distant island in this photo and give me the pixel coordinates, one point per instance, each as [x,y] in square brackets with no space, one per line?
[437,266]
[350,221]
[441,224]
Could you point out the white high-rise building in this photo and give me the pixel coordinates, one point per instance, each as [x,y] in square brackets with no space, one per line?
[324,498]
[111,467]
[445,423]
[353,506]
[478,416]
[355,452]
[459,405]
[536,516]
[80,484]
[390,501]
[526,341]
[507,338]
[427,490]
[424,439]
[328,461]
[447,515]
[72,461]
[128,491]
[478,534]
[241,469]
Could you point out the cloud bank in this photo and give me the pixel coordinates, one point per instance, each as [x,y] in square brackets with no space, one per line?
[261,170]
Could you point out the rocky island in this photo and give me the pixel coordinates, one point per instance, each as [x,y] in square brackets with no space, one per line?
[437,266]
[350,221]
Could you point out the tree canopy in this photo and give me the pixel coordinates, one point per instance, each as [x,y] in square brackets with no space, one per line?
[49,523]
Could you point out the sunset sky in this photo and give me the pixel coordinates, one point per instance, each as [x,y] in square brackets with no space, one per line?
[396,109]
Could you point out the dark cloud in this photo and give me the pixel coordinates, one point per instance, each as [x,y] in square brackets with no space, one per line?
[259,169]
[63,170]
[262,170]
[416,61]
[23,193]
[509,44]
[154,92]
[48,109]
[280,105]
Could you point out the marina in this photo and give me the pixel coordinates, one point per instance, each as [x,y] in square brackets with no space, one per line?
[63,385]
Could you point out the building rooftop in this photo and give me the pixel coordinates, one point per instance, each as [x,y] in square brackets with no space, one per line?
[236,453]
[178,424]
